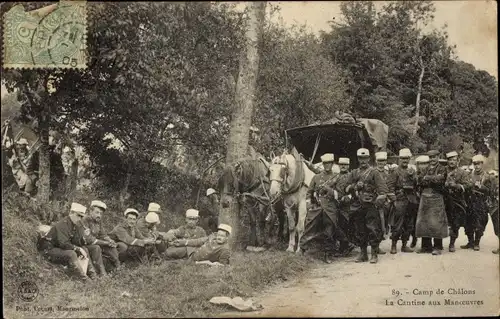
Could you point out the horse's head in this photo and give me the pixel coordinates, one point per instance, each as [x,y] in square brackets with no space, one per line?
[277,174]
[228,186]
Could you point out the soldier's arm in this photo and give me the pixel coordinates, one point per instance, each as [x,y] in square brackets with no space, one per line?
[200,240]
[350,182]
[224,256]
[392,180]
[380,184]
[63,238]
[123,236]
[439,178]
[310,189]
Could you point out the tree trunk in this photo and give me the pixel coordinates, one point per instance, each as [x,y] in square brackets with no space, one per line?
[43,192]
[244,101]
[124,191]
[419,93]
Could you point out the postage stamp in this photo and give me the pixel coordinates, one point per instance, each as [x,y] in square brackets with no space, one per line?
[50,37]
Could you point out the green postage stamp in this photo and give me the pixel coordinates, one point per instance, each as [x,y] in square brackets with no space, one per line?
[50,37]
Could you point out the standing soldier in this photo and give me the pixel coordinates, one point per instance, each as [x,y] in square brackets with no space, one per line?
[483,187]
[457,185]
[95,235]
[368,188]
[421,164]
[213,209]
[382,167]
[432,223]
[402,185]
[494,205]
[345,222]
[322,210]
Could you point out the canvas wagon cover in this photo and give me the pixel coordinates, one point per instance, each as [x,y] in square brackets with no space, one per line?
[343,138]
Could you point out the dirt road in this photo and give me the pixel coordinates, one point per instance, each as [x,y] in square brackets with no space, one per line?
[346,288]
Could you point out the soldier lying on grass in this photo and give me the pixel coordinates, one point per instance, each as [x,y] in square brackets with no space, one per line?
[216,248]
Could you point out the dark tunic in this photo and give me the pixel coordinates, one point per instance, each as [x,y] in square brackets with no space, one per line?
[477,217]
[457,187]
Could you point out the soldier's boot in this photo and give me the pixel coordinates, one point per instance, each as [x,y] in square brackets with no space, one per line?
[393,247]
[363,255]
[451,247]
[374,254]
[406,249]
[476,242]
[413,242]
[91,273]
[470,244]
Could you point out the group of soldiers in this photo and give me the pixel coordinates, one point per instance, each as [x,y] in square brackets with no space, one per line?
[430,200]
[80,236]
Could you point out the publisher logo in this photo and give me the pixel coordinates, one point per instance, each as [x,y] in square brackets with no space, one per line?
[27,291]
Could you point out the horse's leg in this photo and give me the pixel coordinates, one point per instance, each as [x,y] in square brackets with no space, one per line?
[291,227]
[302,208]
[252,225]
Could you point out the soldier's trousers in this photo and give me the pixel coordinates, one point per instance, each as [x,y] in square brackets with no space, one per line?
[477,217]
[427,243]
[319,227]
[111,254]
[179,252]
[95,254]
[138,253]
[65,257]
[404,215]
[456,212]
[367,225]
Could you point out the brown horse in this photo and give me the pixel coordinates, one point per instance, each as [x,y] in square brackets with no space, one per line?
[247,183]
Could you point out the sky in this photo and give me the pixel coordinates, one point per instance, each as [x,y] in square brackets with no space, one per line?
[472,25]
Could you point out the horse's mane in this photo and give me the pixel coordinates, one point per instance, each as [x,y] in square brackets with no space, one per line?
[246,173]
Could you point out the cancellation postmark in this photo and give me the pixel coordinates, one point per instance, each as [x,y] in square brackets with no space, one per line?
[50,37]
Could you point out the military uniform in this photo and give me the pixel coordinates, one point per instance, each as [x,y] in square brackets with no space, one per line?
[60,243]
[367,222]
[196,238]
[402,183]
[345,223]
[386,208]
[94,235]
[212,251]
[457,187]
[322,216]
[146,232]
[130,242]
[477,218]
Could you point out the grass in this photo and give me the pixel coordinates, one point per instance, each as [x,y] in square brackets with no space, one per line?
[170,289]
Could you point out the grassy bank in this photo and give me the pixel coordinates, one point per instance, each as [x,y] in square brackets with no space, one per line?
[171,289]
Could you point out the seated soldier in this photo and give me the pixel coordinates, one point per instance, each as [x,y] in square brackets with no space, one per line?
[185,239]
[147,227]
[95,235]
[58,245]
[215,249]
[130,242]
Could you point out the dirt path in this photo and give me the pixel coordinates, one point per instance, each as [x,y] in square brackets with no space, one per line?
[350,289]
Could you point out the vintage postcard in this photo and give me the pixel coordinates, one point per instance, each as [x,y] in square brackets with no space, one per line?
[250,159]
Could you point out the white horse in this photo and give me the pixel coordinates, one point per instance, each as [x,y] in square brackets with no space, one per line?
[290,178]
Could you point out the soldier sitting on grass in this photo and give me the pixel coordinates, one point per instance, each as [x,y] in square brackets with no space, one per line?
[147,227]
[184,240]
[131,244]
[215,249]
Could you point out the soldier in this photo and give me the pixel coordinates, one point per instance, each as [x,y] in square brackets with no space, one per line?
[95,235]
[130,242]
[213,209]
[58,245]
[402,190]
[184,240]
[367,187]
[147,227]
[432,223]
[457,186]
[483,187]
[22,165]
[345,222]
[493,205]
[421,164]
[322,210]
[382,167]
[70,165]
[215,249]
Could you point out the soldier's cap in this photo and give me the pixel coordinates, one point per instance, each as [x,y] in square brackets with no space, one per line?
[492,172]
[131,211]
[43,230]
[451,154]
[98,203]
[152,218]
[363,152]
[422,159]
[404,153]
[225,227]
[477,159]
[344,160]
[433,153]
[22,141]
[210,191]
[154,208]
[78,208]
[381,156]
[327,158]
[192,213]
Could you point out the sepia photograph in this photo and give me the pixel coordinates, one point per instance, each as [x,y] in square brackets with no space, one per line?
[216,159]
